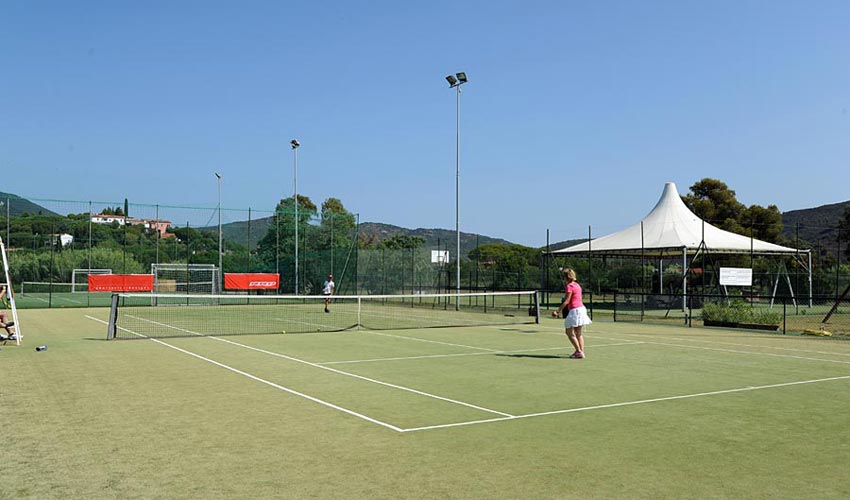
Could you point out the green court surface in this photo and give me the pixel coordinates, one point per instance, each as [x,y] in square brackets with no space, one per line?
[475,412]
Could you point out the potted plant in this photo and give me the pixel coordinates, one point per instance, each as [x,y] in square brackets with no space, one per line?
[739,314]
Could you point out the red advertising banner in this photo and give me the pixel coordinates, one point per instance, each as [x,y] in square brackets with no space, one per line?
[120,282]
[251,281]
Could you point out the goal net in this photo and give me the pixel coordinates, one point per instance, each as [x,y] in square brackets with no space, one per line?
[186,278]
[80,278]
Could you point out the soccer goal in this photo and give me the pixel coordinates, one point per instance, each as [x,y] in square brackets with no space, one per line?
[80,278]
[9,298]
[186,278]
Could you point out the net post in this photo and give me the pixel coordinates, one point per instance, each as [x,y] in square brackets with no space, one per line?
[113,318]
[537,306]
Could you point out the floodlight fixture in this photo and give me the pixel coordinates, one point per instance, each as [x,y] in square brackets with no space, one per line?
[452,80]
[462,77]
[294,143]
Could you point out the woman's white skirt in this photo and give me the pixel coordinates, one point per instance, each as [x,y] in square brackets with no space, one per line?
[577,317]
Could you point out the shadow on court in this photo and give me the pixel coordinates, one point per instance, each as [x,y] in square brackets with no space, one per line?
[517,330]
[541,356]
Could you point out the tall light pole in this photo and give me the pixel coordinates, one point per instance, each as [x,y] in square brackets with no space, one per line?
[220,270]
[294,143]
[455,81]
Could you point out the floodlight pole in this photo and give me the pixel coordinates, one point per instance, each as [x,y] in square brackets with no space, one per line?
[455,82]
[220,248]
[294,143]
[457,200]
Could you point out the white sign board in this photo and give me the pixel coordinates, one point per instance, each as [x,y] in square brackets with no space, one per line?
[736,276]
[439,256]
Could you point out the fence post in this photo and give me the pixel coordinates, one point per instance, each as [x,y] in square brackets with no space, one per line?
[784,315]
[615,306]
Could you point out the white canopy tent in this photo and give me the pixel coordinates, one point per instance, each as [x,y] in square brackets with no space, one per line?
[671,228]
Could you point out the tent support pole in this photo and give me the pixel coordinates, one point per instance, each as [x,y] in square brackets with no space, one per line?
[810,277]
[684,279]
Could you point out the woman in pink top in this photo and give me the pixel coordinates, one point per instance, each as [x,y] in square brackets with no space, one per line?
[576,314]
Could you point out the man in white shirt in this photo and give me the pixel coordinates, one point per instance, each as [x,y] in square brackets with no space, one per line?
[328,290]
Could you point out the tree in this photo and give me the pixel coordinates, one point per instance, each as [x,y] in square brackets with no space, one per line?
[112,211]
[279,240]
[844,230]
[765,222]
[509,263]
[317,237]
[402,241]
[337,226]
[715,203]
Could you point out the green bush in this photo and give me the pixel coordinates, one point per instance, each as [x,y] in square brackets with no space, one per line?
[740,312]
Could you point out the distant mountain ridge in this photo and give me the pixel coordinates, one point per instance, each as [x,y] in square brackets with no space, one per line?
[434,238]
[239,231]
[373,232]
[813,224]
[809,224]
[18,206]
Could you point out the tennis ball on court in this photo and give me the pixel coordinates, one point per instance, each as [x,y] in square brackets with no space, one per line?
[284,331]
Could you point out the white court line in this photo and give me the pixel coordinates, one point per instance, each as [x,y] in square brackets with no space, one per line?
[467,354]
[282,320]
[264,381]
[340,372]
[742,345]
[57,298]
[466,322]
[499,419]
[704,341]
[772,354]
[36,298]
[429,341]
[626,403]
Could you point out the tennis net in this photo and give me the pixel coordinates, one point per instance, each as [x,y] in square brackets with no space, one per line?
[146,315]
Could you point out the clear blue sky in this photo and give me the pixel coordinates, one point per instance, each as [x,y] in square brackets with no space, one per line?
[575,113]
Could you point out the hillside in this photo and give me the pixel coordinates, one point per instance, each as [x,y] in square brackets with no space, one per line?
[18,206]
[564,244]
[444,238]
[820,223]
[238,231]
[813,224]
[373,232]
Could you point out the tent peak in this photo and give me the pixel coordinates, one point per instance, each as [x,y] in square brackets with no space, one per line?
[670,190]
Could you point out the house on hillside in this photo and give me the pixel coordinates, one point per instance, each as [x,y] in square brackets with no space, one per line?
[160,226]
[108,219]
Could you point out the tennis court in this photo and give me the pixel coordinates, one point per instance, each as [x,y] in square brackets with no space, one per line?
[466,412]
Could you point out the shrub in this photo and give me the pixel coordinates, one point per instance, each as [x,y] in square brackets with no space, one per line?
[741,313]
